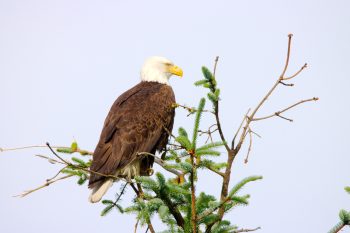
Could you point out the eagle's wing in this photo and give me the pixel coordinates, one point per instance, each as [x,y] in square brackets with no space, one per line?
[132,126]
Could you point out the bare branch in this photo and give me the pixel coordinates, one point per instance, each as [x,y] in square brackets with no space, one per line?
[190,110]
[297,73]
[209,132]
[216,112]
[288,56]
[250,145]
[287,84]
[239,129]
[286,109]
[215,65]
[247,230]
[161,163]
[136,224]
[47,183]
[234,150]
[82,152]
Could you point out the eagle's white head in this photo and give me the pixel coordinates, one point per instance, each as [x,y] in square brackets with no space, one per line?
[159,69]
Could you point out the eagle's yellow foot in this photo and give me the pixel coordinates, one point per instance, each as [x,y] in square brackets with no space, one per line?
[150,171]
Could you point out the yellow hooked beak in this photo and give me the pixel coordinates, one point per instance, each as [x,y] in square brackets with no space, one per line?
[173,69]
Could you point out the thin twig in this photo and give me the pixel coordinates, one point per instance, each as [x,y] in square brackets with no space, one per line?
[190,110]
[250,145]
[234,150]
[137,223]
[121,194]
[287,84]
[216,111]
[296,74]
[139,194]
[47,183]
[288,56]
[62,161]
[209,132]
[79,167]
[286,109]
[239,129]
[247,230]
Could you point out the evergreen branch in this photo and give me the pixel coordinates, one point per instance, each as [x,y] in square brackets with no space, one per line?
[243,182]
[157,160]
[162,163]
[196,124]
[210,146]
[193,195]
[73,166]
[231,197]
[338,227]
[139,194]
[173,209]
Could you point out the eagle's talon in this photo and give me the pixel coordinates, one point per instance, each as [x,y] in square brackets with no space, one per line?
[150,171]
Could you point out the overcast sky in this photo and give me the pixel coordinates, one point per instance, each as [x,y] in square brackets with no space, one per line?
[63,63]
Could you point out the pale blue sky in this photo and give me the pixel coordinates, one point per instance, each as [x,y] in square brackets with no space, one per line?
[63,63]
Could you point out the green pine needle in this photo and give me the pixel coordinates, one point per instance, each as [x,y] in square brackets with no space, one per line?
[196,123]
[184,141]
[241,200]
[148,183]
[172,155]
[240,185]
[163,212]
[344,217]
[83,179]
[107,210]
[186,167]
[207,74]
[212,97]
[65,150]
[208,152]
[182,132]
[74,146]
[217,93]
[161,180]
[107,202]
[201,82]
[119,208]
[347,189]
[80,162]
[70,172]
[210,146]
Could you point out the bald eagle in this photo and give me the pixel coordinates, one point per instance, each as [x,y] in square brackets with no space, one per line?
[138,121]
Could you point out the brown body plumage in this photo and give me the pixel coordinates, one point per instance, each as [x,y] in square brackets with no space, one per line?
[135,123]
[139,121]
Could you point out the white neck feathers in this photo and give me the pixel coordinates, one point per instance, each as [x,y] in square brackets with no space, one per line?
[153,75]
